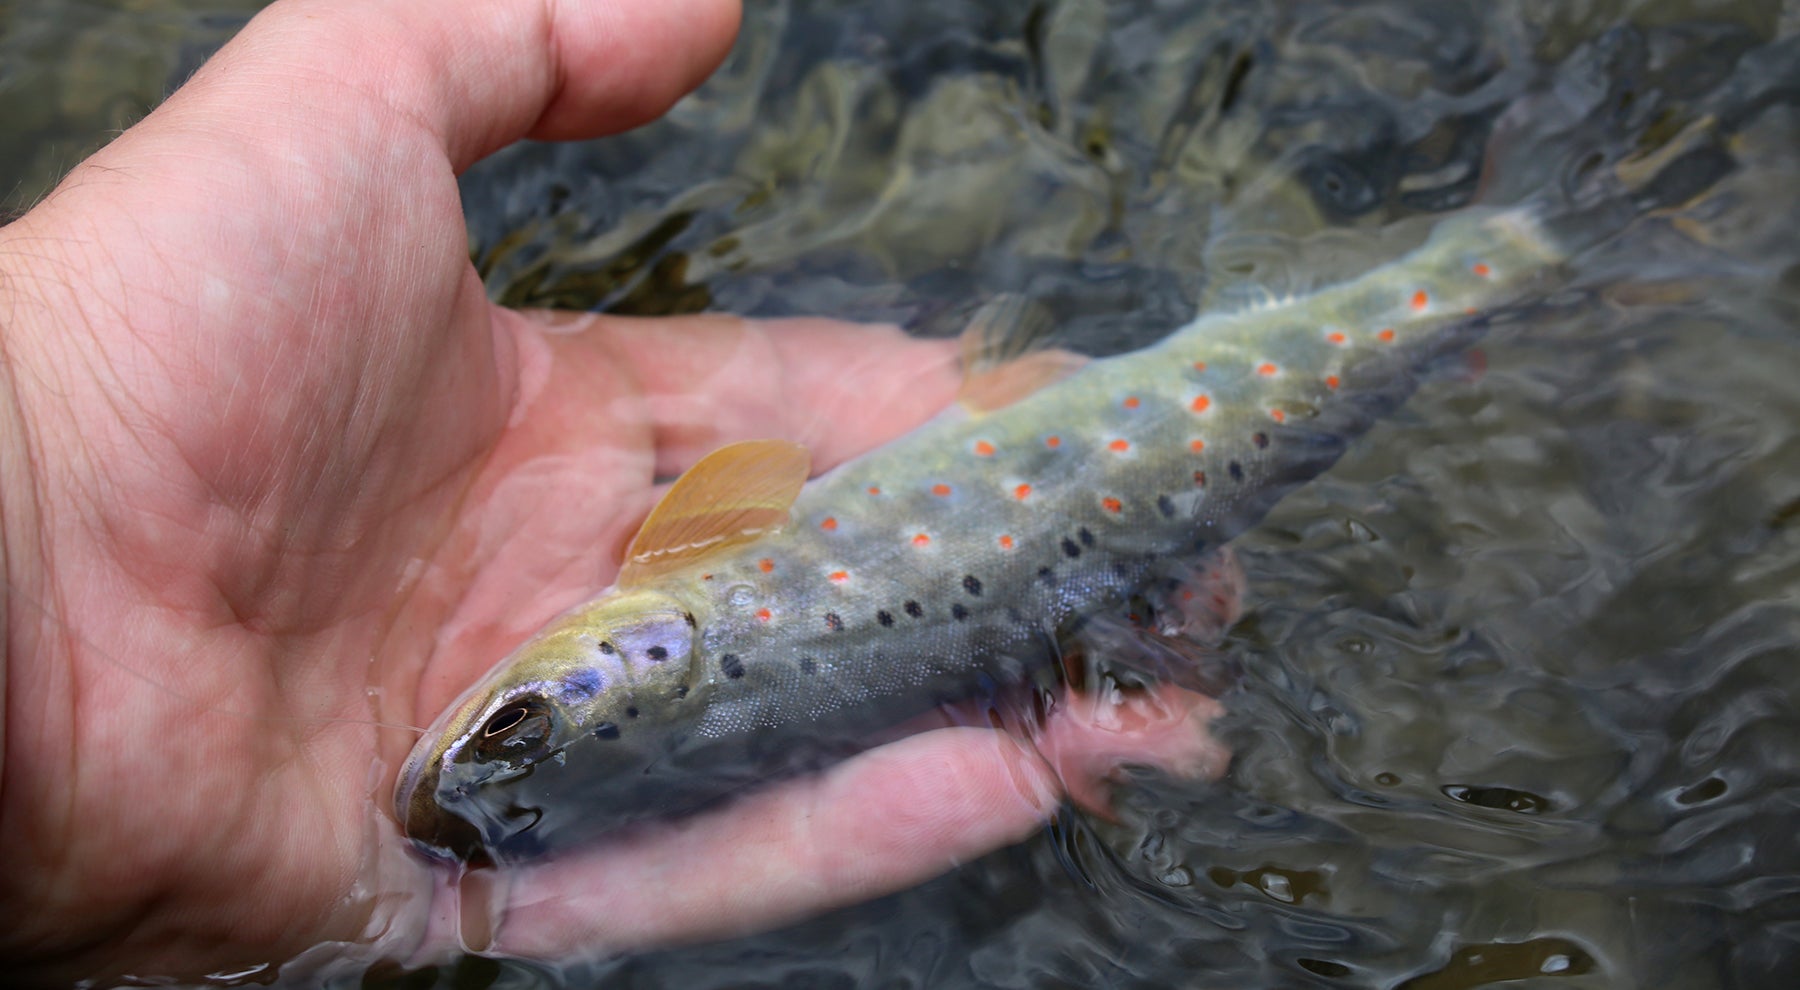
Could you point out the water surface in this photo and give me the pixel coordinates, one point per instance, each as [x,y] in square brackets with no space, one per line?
[1519,682]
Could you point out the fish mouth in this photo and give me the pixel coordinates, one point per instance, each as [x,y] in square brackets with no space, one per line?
[435,830]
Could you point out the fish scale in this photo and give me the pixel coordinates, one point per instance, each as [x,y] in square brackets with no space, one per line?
[947,564]
[1123,470]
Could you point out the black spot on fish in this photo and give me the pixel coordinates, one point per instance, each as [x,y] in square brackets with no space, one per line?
[1120,568]
[607,648]
[1261,440]
[913,609]
[731,666]
[681,691]
[885,618]
[689,616]
[833,623]
[958,613]
[1166,506]
[1236,470]
[1015,616]
[606,730]
[808,665]
[657,653]
[631,712]
[972,584]
[1087,538]
[1047,576]
[1069,548]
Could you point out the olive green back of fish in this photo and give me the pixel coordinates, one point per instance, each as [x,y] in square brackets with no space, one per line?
[953,562]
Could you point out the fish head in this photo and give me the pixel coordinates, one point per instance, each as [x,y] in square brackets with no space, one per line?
[507,766]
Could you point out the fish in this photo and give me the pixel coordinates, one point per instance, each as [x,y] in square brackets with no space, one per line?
[763,622]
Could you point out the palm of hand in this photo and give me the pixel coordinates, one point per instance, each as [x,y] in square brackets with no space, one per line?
[285,434]
[293,474]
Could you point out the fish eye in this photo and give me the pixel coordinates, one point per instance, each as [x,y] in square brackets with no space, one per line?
[507,718]
[520,732]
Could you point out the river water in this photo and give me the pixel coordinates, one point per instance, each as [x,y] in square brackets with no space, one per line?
[1519,675]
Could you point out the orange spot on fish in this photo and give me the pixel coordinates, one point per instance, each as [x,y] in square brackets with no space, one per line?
[1278,416]
[1021,492]
[1200,479]
[1469,312]
[874,490]
[1482,269]
[920,540]
[829,523]
[1196,445]
[1386,335]
[1053,442]
[1111,504]
[1331,381]
[1006,543]
[984,449]
[940,489]
[1336,337]
[764,614]
[839,576]
[765,565]
[1119,445]
[1131,402]
[706,577]
[1267,369]
[1201,403]
[1420,299]
[1199,365]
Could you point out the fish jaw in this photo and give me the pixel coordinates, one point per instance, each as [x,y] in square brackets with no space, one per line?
[457,758]
[463,793]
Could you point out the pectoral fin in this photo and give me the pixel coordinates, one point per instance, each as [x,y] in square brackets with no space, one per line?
[733,495]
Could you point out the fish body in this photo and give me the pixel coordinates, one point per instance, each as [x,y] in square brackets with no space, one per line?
[942,566]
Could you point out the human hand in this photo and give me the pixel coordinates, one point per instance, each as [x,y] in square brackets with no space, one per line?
[276,471]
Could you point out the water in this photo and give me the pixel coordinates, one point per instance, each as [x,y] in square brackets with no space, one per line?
[1519,690]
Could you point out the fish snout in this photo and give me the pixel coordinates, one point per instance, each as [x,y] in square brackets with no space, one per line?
[436,830]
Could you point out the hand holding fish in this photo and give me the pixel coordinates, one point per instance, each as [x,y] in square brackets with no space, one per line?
[278,479]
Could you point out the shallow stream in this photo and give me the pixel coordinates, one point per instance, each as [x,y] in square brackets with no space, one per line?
[1520,674]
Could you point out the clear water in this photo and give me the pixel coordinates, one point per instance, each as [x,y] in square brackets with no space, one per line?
[1520,672]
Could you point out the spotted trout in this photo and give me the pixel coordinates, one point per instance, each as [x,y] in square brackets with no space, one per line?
[761,619]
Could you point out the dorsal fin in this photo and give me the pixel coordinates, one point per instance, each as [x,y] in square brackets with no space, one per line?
[1004,358]
[733,495]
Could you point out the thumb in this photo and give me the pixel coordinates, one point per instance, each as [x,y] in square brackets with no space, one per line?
[480,75]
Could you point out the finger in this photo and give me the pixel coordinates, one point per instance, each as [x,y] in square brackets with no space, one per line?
[704,381]
[881,822]
[1165,727]
[481,75]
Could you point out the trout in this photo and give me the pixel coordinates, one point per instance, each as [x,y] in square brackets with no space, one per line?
[761,620]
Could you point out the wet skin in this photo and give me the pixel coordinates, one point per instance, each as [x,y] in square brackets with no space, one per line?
[275,469]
